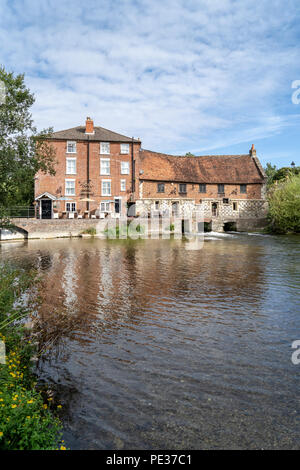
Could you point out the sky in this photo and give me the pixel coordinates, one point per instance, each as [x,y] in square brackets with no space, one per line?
[200,76]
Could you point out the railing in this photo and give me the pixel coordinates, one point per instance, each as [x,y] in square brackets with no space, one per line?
[27,212]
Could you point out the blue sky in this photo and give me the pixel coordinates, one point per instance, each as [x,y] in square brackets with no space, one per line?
[204,76]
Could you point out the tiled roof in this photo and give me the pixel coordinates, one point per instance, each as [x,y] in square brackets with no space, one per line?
[235,169]
[101,135]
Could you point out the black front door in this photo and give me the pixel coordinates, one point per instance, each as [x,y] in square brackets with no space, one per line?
[117,206]
[46,209]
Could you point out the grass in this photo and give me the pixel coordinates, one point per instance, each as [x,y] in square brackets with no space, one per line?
[27,420]
[89,231]
[123,231]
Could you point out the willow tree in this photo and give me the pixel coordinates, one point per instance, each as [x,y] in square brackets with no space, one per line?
[23,150]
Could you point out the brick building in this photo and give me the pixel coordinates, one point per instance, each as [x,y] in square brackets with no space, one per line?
[229,188]
[100,173]
[94,173]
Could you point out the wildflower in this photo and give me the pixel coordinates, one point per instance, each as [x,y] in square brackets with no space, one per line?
[30,401]
[13,406]
[59,406]
[1,433]
[45,406]
[62,448]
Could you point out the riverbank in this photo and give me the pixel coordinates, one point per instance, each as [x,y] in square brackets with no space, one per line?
[27,417]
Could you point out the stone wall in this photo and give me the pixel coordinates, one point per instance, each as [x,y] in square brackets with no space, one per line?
[186,207]
[256,208]
[249,214]
[53,228]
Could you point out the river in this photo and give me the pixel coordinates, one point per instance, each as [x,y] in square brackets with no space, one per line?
[158,347]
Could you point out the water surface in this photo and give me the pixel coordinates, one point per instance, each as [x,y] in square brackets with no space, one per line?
[163,348]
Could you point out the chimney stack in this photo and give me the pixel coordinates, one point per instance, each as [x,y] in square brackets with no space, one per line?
[89,126]
[252,151]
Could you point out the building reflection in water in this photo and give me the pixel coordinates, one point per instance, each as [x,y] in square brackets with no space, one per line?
[93,287]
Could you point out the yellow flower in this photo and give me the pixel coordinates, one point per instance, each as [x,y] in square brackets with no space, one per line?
[13,406]
[59,406]
[45,406]
[30,401]
[62,448]
[1,433]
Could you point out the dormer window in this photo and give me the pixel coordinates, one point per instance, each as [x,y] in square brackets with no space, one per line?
[71,147]
[104,148]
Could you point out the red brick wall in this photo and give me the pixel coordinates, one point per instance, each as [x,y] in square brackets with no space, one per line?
[172,191]
[56,184]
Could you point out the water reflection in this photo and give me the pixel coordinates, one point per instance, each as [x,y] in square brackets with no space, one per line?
[160,347]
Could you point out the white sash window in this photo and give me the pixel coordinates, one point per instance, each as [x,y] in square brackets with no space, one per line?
[104,166]
[106,188]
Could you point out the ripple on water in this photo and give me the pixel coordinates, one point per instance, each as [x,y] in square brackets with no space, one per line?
[166,348]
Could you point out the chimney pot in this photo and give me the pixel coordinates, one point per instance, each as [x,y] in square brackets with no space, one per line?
[89,126]
[253,151]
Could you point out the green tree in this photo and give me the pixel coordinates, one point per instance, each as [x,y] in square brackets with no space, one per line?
[284,205]
[23,151]
[270,171]
[189,154]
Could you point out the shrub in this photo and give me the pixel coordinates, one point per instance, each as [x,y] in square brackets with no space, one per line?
[26,422]
[284,206]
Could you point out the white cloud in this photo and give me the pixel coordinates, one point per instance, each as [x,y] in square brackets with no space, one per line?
[181,75]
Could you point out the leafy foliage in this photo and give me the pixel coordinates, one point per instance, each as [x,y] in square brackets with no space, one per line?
[26,421]
[270,171]
[279,174]
[89,231]
[189,154]
[23,151]
[284,205]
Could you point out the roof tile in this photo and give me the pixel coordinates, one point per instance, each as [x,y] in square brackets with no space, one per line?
[101,134]
[235,169]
